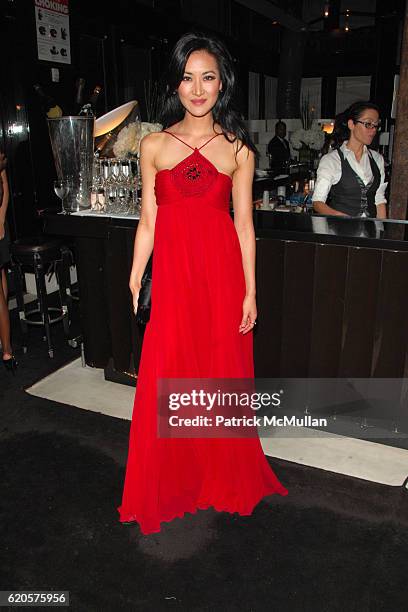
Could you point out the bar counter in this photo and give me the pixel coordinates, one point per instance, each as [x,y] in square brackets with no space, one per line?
[332,293]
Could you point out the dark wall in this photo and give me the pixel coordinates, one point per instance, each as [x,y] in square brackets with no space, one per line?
[123,45]
[119,47]
[368,50]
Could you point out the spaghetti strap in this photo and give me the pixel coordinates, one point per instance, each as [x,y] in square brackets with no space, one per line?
[178,139]
[215,136]
[198,148]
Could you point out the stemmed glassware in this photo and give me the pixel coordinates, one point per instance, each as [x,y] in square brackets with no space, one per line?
[136,185]
[63,188]
[115,186]
[110,186]
[120,186]
[98,191]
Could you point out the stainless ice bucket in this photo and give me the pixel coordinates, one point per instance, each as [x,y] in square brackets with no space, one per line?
[72,142]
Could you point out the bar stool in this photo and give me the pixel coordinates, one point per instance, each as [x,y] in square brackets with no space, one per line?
[42,255]
[72,294]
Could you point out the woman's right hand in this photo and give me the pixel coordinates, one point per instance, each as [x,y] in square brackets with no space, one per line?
[134,287]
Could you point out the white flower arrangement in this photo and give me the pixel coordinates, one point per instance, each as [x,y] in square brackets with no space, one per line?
[313,138]
[310,135]
[128,139]
[147,128]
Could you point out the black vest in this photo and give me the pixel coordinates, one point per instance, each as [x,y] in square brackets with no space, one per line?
[350,195]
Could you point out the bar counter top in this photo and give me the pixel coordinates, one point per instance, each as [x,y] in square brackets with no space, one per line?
[286,225]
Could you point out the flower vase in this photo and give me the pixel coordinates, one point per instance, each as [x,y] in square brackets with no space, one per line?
[304,155]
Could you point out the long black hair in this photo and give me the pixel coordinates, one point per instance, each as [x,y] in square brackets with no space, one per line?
[341,131]
[224,111]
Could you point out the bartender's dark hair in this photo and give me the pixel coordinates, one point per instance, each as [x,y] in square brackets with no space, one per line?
[341,131]
[224,111]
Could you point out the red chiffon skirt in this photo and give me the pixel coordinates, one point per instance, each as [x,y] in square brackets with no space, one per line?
[198,290]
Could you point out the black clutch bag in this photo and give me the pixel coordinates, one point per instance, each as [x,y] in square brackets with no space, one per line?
[145,295]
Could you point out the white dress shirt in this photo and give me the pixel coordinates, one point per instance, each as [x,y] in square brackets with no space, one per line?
[329,172]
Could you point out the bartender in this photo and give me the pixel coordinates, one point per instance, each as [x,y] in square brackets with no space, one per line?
[278,147]
[350,179]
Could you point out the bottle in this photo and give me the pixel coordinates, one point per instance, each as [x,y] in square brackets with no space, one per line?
[311,182]
[50,107]
[294,188]
[102,141]
[296,197]
[281,195]
[79,92]
[88,109]
[308,204]
[265,199]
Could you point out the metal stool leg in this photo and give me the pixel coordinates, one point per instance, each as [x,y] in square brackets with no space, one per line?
[18,284]
[69,262]
[66,260]
[42,299]
[60,272]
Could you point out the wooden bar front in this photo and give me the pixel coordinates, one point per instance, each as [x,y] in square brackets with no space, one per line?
[332,295]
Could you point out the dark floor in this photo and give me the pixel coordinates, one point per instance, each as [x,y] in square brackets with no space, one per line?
[333,544]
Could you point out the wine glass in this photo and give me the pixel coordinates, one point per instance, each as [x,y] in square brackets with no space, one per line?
[62,188]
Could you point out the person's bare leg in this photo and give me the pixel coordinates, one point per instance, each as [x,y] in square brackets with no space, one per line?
[2,276]
[4,320]
[4,283]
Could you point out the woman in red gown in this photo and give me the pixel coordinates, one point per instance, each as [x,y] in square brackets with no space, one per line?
[203,291]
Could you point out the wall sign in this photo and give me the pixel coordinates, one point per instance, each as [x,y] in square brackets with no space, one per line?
[52,25]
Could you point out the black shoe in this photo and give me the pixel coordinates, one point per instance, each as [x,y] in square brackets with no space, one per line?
[11,364]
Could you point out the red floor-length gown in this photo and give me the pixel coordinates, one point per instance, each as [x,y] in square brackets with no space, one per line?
[198,290]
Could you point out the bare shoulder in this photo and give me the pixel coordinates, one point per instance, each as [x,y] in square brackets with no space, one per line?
[241,152]
[151,141]
[151,144]
[244,155]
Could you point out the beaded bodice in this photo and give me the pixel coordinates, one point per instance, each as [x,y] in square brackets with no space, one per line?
[195,174]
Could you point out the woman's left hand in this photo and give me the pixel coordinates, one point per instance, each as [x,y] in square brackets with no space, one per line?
[2,230]
[249,314]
